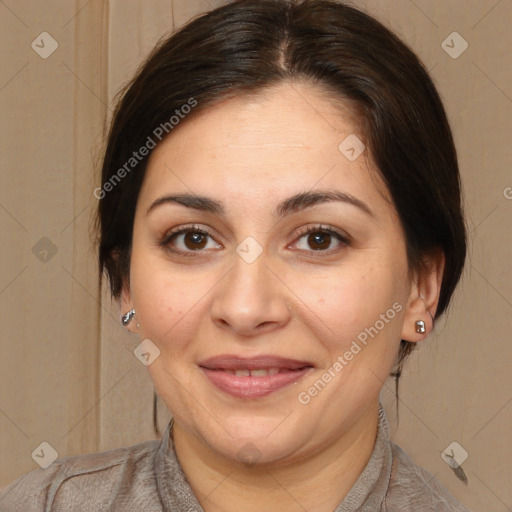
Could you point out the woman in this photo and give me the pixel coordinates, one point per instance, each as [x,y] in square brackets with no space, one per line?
[280,218]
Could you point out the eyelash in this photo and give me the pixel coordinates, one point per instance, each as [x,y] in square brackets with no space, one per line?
[194,228]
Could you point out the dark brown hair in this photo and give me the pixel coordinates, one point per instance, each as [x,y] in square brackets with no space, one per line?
[248,45]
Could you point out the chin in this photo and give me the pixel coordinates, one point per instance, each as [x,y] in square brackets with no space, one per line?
[256,452]
[254,441]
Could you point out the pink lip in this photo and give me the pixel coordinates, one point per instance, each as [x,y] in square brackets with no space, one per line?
[290,371]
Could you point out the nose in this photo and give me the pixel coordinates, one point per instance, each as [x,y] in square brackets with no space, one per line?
[250,300]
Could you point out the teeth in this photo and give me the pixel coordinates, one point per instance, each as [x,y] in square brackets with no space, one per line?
[259,373]
[254,373]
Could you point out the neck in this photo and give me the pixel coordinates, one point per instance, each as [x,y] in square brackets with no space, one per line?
[317,483]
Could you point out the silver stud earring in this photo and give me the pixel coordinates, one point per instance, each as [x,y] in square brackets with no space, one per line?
[420,326]
[127,317]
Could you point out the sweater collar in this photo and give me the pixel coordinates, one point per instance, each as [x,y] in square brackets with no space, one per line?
[366,495]
[370,489]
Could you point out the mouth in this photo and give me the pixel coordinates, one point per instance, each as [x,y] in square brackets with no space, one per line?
[255,366]
[253,377]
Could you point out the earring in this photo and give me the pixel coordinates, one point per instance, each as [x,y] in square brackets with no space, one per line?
[420,326]
[127,317]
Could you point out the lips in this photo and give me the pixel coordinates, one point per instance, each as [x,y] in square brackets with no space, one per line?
[253,377]
[234,363]
[254,365]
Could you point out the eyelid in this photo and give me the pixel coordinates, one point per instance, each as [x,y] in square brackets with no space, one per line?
[187,227]
[323,228]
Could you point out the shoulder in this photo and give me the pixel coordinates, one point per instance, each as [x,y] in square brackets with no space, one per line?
[413,488]
[82,482]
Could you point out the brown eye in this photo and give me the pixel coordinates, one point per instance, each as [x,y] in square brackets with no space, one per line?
[194,240]
[319,241]
[189,240]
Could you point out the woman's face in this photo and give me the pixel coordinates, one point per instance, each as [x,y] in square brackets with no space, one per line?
[316,316]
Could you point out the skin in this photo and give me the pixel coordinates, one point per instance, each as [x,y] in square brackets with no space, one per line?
[250,153]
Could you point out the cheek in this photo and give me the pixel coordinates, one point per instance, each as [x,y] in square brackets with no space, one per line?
[344,304]
[157,301]
[168,301]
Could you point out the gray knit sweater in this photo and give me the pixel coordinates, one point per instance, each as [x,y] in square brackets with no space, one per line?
[148,478]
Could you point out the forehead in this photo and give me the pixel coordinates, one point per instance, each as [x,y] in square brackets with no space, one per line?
[288,138]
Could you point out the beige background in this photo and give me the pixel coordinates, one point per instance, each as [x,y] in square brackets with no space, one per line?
[67,372]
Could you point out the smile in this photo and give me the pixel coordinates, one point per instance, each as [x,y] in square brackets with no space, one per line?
[253,377]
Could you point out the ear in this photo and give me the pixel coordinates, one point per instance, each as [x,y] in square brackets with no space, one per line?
[424,297]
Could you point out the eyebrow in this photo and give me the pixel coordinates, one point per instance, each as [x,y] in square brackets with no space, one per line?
[294,203]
